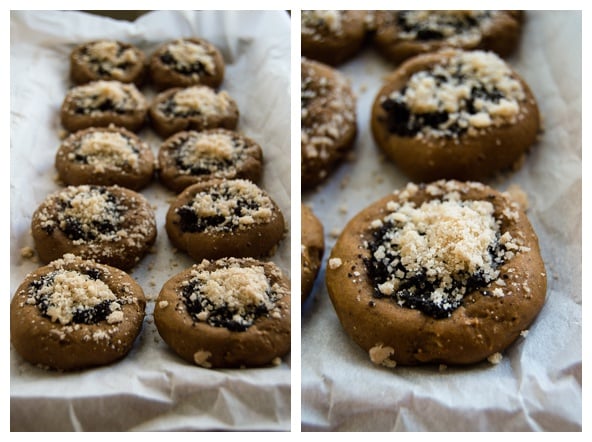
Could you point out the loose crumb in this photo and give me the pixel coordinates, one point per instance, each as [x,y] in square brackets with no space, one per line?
[524,333]
[495,358]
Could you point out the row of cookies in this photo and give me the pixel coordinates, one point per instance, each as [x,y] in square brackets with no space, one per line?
[82,310]
[410,273]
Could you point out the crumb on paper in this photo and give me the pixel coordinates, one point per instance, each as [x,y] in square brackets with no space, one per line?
[380,355]
[29,253]
[343,209]
[334,233]
[201,358]
[518,195]
[276,361]
[524,333]
[495,358]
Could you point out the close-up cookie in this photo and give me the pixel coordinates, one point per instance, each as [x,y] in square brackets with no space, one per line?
[222,218]
[186,62]
[192,108]
[110,224]
[74,314]
[332,37]
[448,272]
[107,60]
[455,114]
[105,156]
[312,247]
[400,35]
[328,121]
[190,157]
[102,103]
[228,313]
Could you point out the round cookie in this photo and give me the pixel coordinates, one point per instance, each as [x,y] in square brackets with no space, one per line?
[328,121]
[102,103]
[107,60]
[186,62]
[105,156]
[192,108]
[332,37]
[109,224]
[227,313]
[448,272]
[74,314]
[191,157]
[400,35]
[221,218]
[455,114]
[312,248]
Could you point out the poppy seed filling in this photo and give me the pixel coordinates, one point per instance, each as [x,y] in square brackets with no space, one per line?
[442,25]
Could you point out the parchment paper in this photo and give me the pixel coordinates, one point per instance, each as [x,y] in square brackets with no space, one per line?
[151,389]
[537,385]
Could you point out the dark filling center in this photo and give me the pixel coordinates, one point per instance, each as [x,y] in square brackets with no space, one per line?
[221,316]
[197,67]
[416,288]
[106,105]
[81,315]
[432,30]
[104,68]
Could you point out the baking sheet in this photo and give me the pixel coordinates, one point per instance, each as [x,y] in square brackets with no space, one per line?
[151,389]
[537,385]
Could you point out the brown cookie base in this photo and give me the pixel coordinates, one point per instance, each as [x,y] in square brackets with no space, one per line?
[217,347]
[470,156]
[313,247]
[76,346]
[480,327]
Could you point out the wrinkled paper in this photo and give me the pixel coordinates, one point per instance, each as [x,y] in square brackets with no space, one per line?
[152,388]
[537,385]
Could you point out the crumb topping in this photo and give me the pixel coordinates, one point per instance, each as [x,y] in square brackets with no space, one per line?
[465,93]
[429,256]
[106,96]
[227,205]
[197,101]
[109,58]
[106,150]
[190,58]
[316,22]
[321,129]
[231,296]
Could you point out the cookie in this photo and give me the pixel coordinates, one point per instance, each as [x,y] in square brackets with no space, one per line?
[328,121]
[105,156]
[109,224]
[107,60]
[227,313]
[400,35]
[332,37]
[191,157]
[74,314]
[102,103]
[222,218]
[448,272]
[455,114]
[193,108]
[312,248]
[186,62]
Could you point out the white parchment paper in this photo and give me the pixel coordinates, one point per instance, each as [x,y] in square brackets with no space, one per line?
[537,385]
[151,389]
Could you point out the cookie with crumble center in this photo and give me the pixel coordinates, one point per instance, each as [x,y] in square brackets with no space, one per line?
[453,114]
[228,313]
[75,314]
[444,273]
[187,62]
[312,248]
[105,156]
[224,218]
[190,157]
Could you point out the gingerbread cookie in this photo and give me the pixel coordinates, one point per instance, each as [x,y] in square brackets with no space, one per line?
[105,156]
[455,114]
[448,272]
[110,224]
[312,248]
[332,37]
[107,60]
[400,35]
[187,62]
[102,103]
[221,218]
[193,108]
[227,313]
[74,314]
[190,157]
[328,121]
